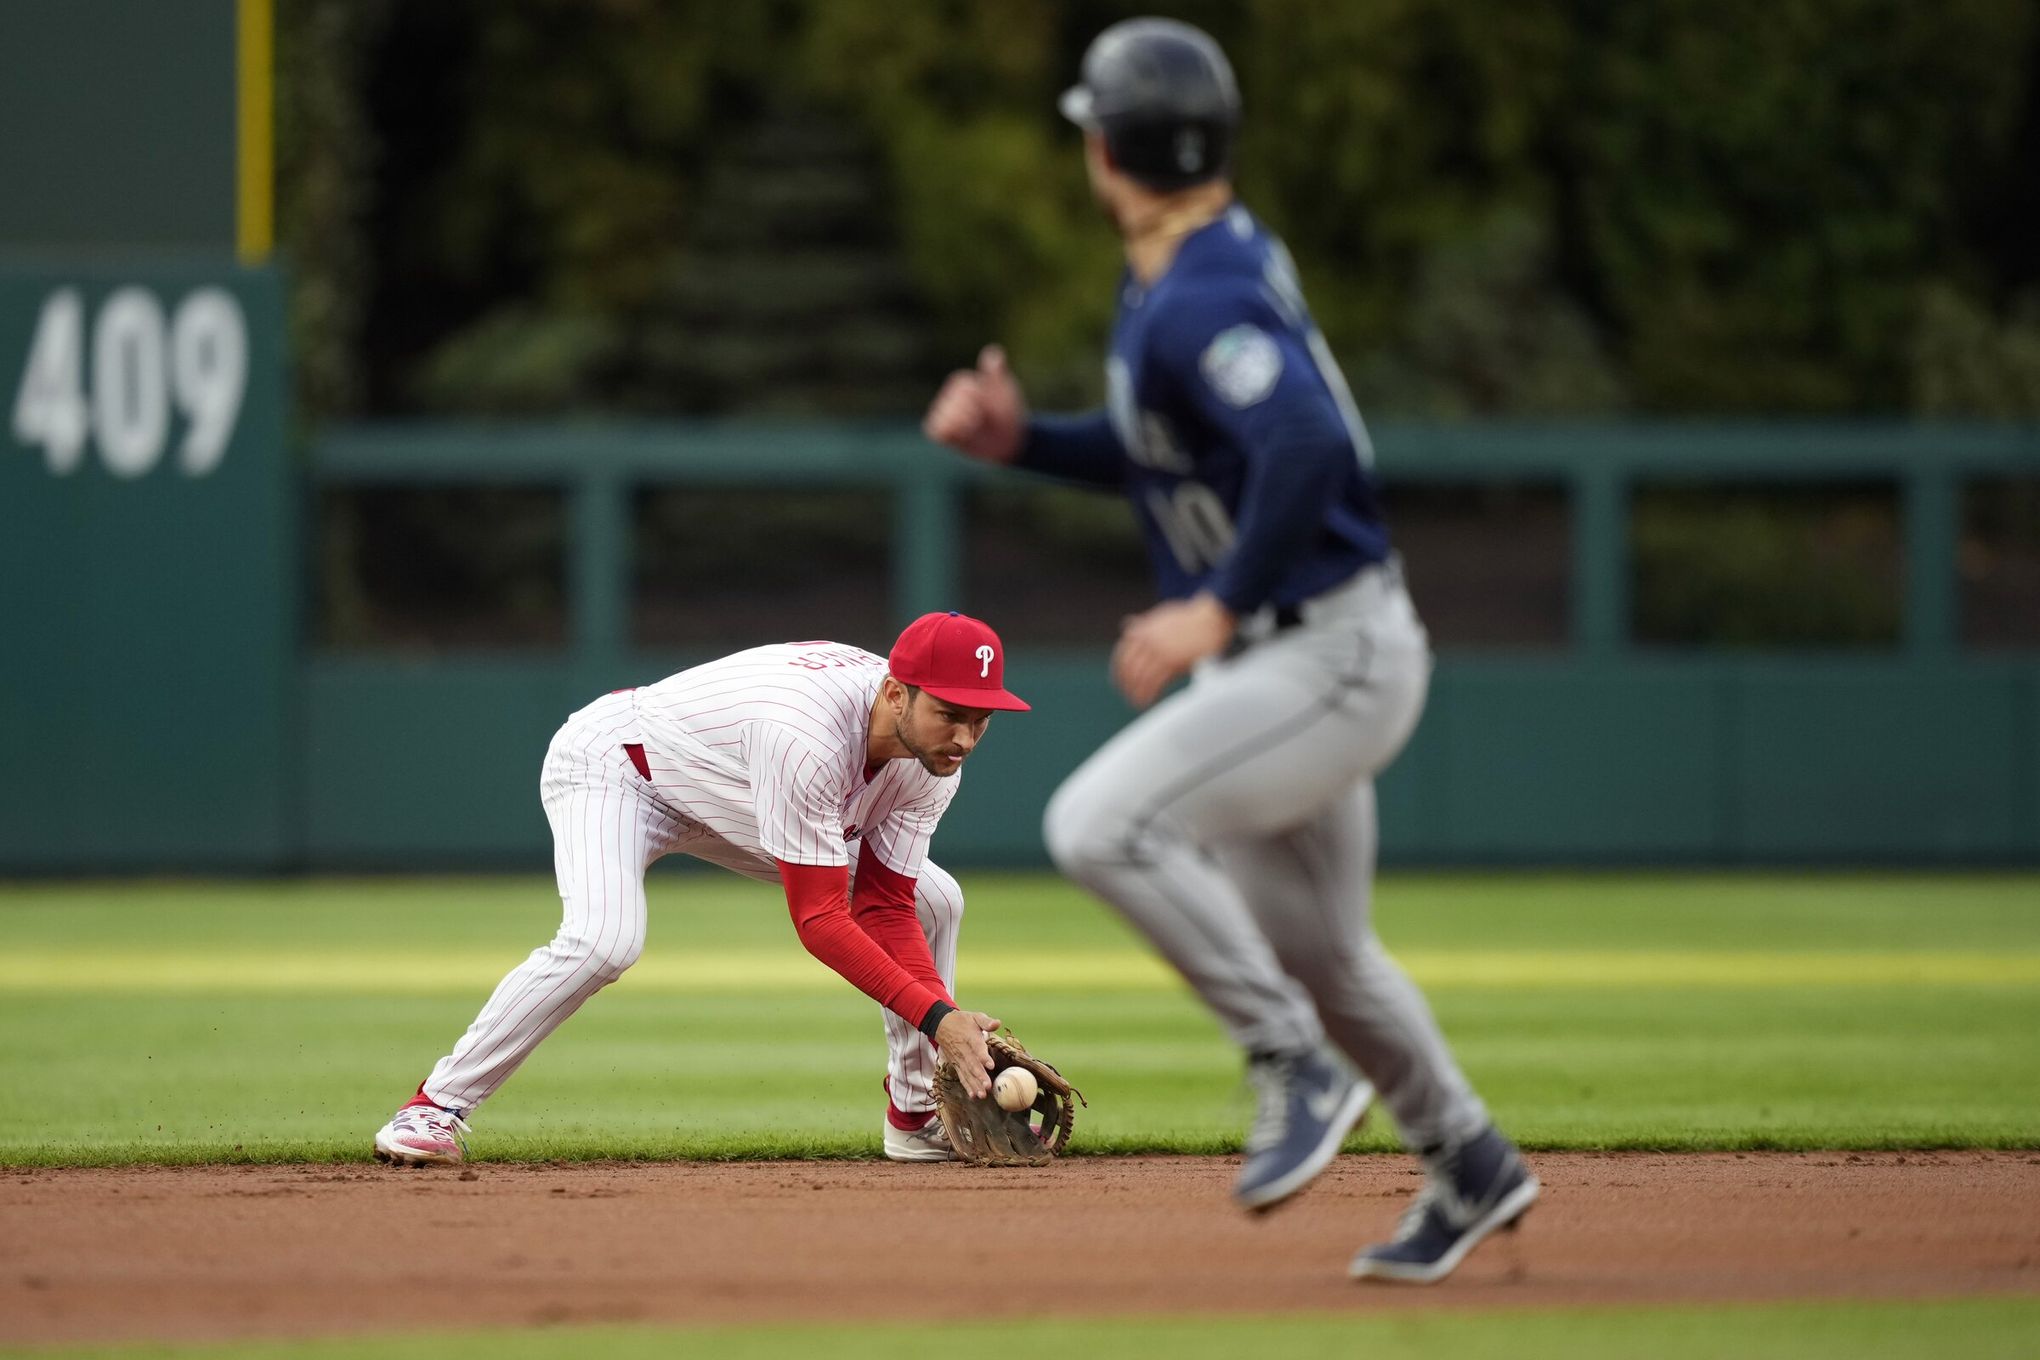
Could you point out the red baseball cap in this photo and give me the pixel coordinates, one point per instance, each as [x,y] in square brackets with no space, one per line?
[957,659]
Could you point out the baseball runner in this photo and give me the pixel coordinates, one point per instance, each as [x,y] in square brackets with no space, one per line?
[1234,823]
[813,765]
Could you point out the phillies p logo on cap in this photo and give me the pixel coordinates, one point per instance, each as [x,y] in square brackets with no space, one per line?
[956,658]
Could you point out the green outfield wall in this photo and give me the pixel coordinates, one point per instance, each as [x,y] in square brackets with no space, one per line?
[121,125]
[150,674]
[168,706]
[1597,751]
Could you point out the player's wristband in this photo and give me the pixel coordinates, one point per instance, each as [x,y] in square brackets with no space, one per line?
[932,1021]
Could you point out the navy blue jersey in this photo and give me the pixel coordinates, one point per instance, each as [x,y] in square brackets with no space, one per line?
[1229,427]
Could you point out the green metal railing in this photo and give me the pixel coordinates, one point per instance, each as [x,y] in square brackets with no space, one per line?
[1601,751]
[1598,466]
[1602,465]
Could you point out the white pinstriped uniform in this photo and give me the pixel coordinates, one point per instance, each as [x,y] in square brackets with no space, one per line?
[780,731]
[757,756]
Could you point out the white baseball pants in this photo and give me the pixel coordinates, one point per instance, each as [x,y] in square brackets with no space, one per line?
[608,829]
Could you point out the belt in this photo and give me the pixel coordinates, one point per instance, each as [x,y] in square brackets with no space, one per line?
[1289,616]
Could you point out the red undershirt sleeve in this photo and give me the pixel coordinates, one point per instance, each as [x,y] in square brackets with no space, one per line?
[882,904]
[818,898]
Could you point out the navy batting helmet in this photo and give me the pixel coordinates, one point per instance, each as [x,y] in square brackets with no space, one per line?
[1163,96]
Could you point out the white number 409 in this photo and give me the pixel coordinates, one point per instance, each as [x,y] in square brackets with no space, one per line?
[140,364]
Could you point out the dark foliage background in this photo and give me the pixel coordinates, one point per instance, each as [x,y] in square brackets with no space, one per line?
[813,208]
[1754,206]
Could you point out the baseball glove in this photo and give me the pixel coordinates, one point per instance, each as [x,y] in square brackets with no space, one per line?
[982,1132]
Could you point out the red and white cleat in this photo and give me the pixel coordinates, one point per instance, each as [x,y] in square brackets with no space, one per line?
[422,1135]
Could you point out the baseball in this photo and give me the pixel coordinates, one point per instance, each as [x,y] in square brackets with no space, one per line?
[1015,1089]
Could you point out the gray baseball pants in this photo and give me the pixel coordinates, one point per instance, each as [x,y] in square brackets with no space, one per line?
[1234,825]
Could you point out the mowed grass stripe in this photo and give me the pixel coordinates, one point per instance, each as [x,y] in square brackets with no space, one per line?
[178,1021]
[1975,1329]
[376,972]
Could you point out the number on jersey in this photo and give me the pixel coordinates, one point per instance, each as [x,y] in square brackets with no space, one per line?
[1194,521]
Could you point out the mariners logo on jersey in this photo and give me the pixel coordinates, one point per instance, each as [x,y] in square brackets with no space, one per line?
[1242,365]
[1241,435]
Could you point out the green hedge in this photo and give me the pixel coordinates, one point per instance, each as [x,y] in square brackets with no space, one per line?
[1723,206]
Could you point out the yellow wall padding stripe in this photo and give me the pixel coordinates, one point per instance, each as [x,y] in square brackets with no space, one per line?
[255,206]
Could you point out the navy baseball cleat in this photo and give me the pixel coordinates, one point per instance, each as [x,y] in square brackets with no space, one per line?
[1470,1191]
[1309,1103]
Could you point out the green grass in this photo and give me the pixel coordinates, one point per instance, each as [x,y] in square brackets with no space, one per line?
[1975,1329]
[196,1021]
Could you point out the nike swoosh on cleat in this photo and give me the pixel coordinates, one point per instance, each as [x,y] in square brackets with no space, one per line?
[1324,1105]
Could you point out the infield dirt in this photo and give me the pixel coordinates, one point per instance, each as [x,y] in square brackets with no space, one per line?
[214,1252]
